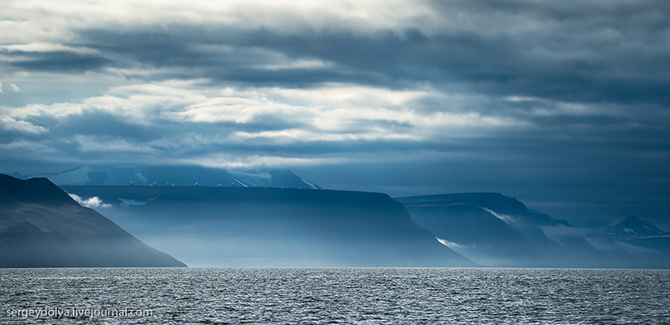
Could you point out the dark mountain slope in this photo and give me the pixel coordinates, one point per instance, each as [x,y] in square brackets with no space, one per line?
[41,226]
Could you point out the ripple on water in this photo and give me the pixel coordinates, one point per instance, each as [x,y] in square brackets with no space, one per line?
[344,295]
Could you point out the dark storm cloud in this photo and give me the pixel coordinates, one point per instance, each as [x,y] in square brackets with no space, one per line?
[593,54]
[501,65]
[57,61]
[103,124]
[227,55]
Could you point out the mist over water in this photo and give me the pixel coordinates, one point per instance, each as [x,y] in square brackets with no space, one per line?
[343,295]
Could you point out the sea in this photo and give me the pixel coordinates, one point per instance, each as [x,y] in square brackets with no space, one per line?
[334,296]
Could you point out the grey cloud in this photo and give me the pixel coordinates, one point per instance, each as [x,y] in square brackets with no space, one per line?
[582,53]
[570,63]
[102,124]
[58,61]
[609,59]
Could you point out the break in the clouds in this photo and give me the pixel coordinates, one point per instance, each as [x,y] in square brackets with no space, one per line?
[515,96]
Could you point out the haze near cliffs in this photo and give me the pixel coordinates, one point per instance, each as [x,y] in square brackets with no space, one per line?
[225,226]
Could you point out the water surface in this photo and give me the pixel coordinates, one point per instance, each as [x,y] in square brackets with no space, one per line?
[341,295]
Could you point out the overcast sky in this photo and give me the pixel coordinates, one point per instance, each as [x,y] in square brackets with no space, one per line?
[562,104]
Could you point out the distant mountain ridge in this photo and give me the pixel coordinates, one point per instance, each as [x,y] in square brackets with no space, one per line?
[176,176]
[248,226]
[256,223]
[633,227]
[42,226]
[638,233]
[492,201]
[497,230]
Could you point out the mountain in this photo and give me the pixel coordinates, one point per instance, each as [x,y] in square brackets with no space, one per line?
[176,176]
[637,233]
[634,228]
[282,178]
[245,226]
[496,230]
[42,226]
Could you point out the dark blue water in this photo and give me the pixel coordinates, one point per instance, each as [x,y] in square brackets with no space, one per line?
[339,295]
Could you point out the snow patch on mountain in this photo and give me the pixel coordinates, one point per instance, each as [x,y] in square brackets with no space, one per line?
[449,244]
[507,219]
[314,187]
[238,181]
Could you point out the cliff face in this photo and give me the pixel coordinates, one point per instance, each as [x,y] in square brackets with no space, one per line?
[488,227]
[41,226]
[496,230]
[273,227]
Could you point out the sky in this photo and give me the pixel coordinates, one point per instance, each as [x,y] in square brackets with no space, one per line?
[564,105]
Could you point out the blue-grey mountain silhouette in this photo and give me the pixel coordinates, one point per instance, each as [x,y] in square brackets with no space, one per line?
[42,226]
[236,226]
[497,230]
[643,234]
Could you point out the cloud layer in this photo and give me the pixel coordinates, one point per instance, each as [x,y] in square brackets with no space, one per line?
[516,95]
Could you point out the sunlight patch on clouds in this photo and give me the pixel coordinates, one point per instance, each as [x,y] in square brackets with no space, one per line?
[567,108]
[9,123]
[47,47]
[229,161]
[42,20]
[95,144]
[194,118]
[296,135]
[333,112]
[58,110]
[297,64]
[27,146]
[347,95]
[558,108]
[137,104]
[232,109]
[520,98]
[58,20]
